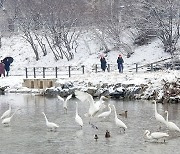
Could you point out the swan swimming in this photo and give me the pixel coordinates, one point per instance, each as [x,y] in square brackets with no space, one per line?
[106,113]
[7,113]
[155,135]
[94,106]
[170,125]
[65,101]
[118,122]
[50,125]
[6,121]
[78,119]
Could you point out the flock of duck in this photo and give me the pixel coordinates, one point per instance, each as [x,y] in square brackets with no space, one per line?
[94,109]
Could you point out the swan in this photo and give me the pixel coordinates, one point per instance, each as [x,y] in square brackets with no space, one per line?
[124,114]
[78,119]
[6,121]
[155,135]
[106,113]
[118,122]
[65,101]
[50,125]
[158,117]
[94,106]
[171,125]
[7,113]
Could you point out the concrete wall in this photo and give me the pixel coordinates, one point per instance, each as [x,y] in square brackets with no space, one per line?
[39,83]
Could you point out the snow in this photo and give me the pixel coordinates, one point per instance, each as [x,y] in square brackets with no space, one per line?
[23,55]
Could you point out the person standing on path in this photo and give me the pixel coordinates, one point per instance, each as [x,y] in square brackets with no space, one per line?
[2,69]
[103,63]
[120,62]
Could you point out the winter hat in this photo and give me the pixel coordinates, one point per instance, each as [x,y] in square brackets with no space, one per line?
[120,55]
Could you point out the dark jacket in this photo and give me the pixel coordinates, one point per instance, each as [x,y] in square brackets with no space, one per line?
[103,63]
[120,61]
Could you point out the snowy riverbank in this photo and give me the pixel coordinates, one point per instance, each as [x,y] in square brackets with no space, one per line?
[136,85]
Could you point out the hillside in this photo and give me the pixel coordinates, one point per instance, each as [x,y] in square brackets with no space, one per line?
[23,55]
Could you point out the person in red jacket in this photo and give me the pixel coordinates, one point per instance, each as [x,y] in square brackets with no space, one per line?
[2,70]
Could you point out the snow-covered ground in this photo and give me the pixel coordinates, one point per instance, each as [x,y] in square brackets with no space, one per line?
[23,55]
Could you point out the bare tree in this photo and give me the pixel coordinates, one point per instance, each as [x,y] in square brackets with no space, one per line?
[162,20]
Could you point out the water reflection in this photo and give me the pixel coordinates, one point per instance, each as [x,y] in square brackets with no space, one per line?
[28,132]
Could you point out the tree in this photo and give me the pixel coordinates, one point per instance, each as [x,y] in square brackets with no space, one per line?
[162,20]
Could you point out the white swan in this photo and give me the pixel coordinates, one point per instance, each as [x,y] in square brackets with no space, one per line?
[118,122]
[65,101]
[94,106]
[106,113]
[6,121]
[7,113]
[50,125]
[155,135]
[78,119]
[158,117]
[170,125]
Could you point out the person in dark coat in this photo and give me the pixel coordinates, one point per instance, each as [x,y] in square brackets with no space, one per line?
[7,66]
[2,70]
[103,63]
[120,62]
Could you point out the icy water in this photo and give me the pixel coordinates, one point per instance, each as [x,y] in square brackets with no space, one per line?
[28,133]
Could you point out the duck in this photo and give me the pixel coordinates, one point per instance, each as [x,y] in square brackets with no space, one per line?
[96,137]
[107,135]
[124,114]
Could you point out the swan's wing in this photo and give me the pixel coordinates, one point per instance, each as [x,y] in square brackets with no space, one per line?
[60,98]
[83,96]
[68,98]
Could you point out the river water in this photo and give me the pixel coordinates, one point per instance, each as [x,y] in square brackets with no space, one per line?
[28,133]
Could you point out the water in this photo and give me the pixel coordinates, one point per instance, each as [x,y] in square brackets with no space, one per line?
[29,134]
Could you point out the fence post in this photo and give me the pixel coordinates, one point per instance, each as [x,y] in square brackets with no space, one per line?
[69,68]
[151,66]
[26,72]
[34,70]
[136,67]
[44,72]
[96,68]
[108,68]
[83,69]
[56,71]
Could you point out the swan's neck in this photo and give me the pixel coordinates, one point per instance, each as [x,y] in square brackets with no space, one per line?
[115,114]
[148,135]
[167,116]
[46,118]
[109,108]
[76,109]
[155,108]
[14,113]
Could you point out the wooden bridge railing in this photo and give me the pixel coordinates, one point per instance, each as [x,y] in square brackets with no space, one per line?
[75,70]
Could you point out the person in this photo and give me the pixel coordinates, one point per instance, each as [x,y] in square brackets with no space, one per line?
[103,63]
[2,68]
[7,66]
[120,62]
